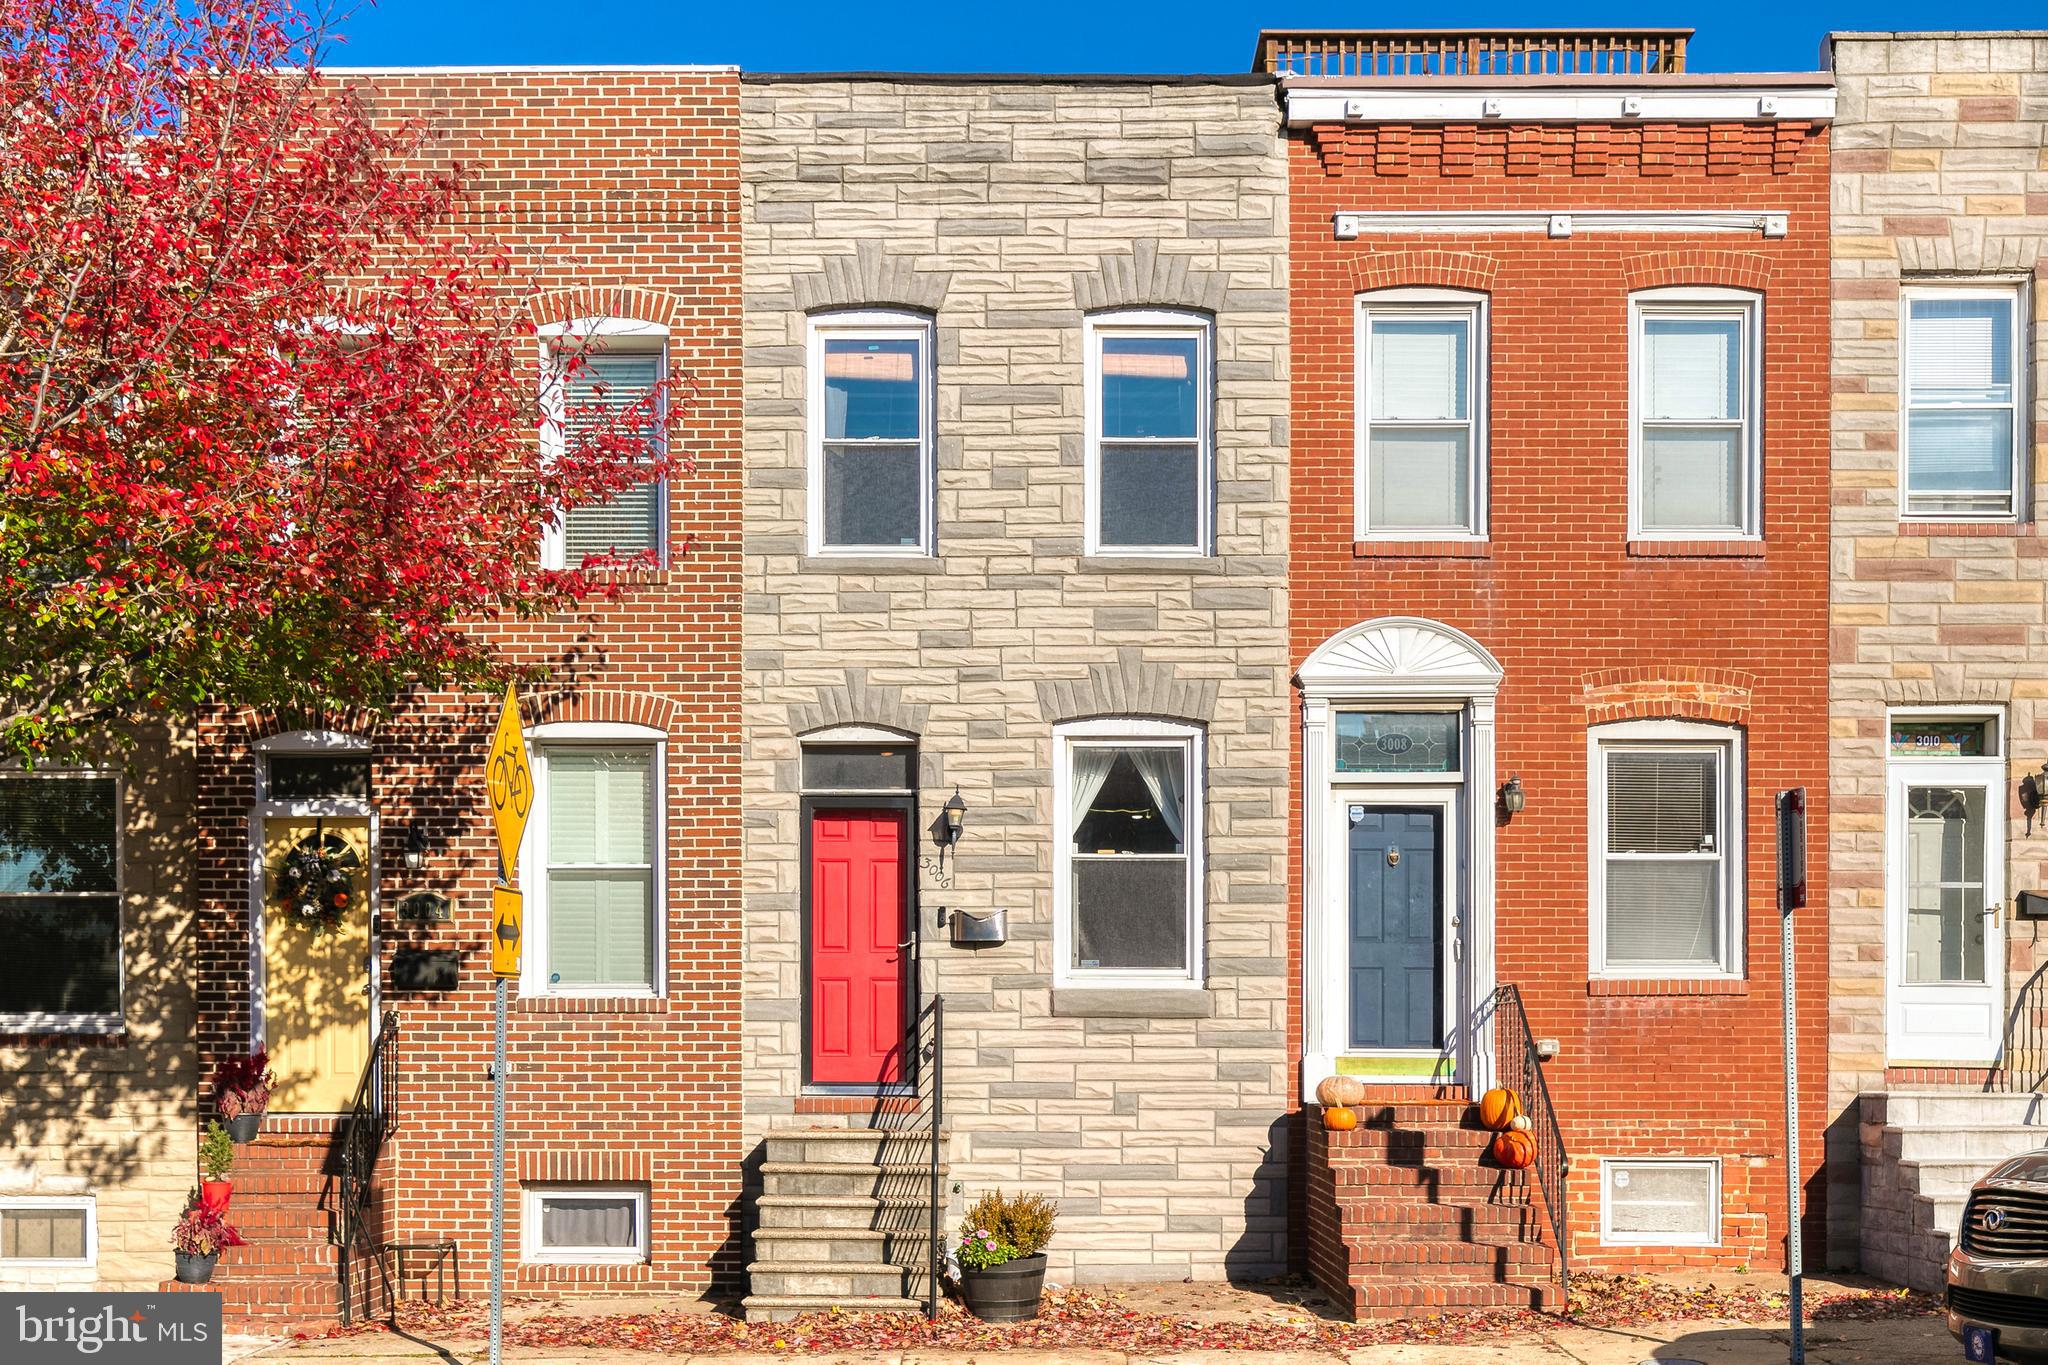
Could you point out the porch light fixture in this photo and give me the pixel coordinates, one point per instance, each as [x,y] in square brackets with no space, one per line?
[2033,789]
[1511,797]
[952,816]
[415,847]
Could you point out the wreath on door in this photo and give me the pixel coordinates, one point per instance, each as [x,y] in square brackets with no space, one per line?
[316,881]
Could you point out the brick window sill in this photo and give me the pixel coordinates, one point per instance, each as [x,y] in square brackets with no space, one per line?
[1666,986]
[53,1042]
[577,1004]
[1986,529]
[1421,549]
[1696,549]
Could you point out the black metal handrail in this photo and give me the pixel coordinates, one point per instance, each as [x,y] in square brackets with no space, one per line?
[361,1142]
[931,1064]
[1519,1067]
[2022,1063]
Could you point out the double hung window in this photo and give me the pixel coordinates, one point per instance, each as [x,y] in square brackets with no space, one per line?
[1696,446]
[871,464]
[1964,415]
[1422,430]
[1149,433]
[60,902]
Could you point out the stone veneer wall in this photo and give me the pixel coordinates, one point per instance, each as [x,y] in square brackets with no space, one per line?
[1008,207]
[114,1116]
[1940,170]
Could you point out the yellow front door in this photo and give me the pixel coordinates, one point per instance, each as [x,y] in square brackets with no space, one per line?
[316,987]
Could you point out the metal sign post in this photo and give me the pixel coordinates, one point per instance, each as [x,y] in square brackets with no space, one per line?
[509,777]
[1791,896]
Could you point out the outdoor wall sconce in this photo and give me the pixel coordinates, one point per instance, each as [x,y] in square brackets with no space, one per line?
[945,827]
[415,847]
[1511,797]
[2032,791]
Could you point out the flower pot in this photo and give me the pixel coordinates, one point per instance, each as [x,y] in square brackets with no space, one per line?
[245,1127]
[195,1269]
[214,1195]
[1007,1292]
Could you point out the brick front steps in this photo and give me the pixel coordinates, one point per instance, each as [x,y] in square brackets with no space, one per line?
[1407,1215]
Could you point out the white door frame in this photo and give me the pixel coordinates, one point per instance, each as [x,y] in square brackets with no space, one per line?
[1983,1001]
[1393,663]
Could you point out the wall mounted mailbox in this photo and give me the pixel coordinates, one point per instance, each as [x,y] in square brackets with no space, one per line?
[423,969]
[971,930]
[2033,905]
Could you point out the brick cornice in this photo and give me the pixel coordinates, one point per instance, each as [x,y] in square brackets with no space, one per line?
[1696,265]
[611,707]
[1422,267]
[1711,694]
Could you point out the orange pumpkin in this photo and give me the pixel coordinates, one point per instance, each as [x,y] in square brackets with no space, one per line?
[1340,1118]
[1513,1149]
[1498,1108]
[1342,1091]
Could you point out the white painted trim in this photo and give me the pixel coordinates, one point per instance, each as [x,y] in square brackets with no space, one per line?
[880,325]
[311,742]
[1137,732]
[1747,307]
[1608,1237]
[1728,740]
[1150,322]
[1609,104]
[1475,308]
[88,1203]
[1559,223]
[626,336]
[1388,663]
[531,870]
[531,1197]
[2015,292]
[100,1024]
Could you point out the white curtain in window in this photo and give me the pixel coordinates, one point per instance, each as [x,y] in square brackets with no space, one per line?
[1091,765]
[1164,779]
[592,1222]
[1418,368]
[1692,368]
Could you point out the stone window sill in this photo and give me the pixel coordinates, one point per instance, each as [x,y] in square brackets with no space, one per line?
[1966,528]
[871,564]
[1421,549]
[583,1004]
[1696,549]
[1667,986]
[1163,564]
[1138,1002]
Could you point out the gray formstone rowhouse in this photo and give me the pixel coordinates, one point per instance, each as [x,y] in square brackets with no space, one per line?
[1016,433]
[1939,691]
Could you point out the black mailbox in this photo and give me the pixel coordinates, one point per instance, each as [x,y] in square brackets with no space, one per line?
[425,969]
[2033,905]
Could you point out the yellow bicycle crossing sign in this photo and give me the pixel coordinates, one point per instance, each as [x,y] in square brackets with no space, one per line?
[509,779]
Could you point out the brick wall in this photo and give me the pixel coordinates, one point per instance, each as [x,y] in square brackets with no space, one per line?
[1940,172]
[619,194]
[1587,628]
[1005,207]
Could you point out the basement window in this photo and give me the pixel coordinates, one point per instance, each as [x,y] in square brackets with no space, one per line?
[585,1224]
[47,1231]
[1660,1202]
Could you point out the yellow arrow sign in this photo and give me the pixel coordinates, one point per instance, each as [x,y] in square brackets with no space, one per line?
[506,907]
[509,777]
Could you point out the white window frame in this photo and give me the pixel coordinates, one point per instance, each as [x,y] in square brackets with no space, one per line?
[1127,733]
[1468,304]
[532,872]
[88,1203]
[616,336]
[1748,306]
[1609,1237]
[1680,735]
[531,1199]
[872,325]
[1151,322]
[94,1023]
[2011,291]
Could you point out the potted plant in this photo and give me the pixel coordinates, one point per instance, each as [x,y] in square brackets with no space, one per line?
[1002,1256]
[197,1240]
[216,1159]
[241,1092]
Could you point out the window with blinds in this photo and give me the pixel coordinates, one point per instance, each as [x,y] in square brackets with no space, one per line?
[1963,421]
[1696,448]
[600,858]
[1420,447]
[1664,877]
[871,439]
[60,902]
[1149,434]
[616,393]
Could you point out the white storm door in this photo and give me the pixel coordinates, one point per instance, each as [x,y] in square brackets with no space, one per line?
[1944,908]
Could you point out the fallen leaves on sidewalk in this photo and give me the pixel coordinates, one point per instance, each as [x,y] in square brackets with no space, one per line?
[1080,1319]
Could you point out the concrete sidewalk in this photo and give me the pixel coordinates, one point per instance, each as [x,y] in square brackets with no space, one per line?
[1913,1341]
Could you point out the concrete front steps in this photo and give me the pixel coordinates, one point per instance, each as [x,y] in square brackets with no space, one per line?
[843,1220]
[1408,1217]
[1922,1150]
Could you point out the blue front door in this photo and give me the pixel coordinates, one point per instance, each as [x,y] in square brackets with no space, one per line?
[1396,926]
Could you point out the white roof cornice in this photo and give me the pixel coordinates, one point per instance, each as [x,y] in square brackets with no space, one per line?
[1331,103]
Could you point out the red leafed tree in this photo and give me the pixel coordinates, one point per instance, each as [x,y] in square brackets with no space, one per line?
[269,410]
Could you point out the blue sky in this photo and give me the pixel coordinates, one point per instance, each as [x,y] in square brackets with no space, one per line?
[1059,35]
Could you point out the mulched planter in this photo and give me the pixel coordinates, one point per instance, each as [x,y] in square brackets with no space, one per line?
[195,1269]
[1007,1292]
[245,1127]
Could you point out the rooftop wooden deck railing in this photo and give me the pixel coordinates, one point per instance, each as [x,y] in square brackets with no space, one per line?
[1473,52]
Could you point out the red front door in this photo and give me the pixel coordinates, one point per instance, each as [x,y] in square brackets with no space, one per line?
[857,906]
